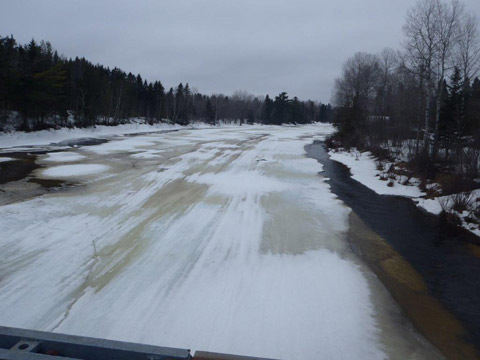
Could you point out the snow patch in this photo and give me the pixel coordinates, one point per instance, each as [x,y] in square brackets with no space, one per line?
[63,156]
[124,145]
[239,183]
[63,171]
[149,154]
[437,205]
[364,170]
[48,137]
[432,206]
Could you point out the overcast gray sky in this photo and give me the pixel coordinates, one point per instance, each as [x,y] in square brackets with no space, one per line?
[263,47]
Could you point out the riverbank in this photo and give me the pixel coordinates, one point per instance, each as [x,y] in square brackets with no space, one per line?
[430,270]
[391,178]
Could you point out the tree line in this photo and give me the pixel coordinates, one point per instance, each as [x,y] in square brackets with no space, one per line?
[422,100]
[48,90]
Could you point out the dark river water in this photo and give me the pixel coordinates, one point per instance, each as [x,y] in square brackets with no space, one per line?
[439,253]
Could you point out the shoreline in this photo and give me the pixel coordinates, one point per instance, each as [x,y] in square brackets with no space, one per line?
[363,168]
[408,289]
[417,260]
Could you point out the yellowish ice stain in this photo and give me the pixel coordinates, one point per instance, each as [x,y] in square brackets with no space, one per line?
[399,269]
[408,288]
[475,249]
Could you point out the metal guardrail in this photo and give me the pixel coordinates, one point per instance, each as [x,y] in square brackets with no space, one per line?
[38,345]
[203,355]
[21,344]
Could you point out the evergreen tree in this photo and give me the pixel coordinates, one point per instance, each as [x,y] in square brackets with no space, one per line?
[179,105]
[44,88]
[447,128]
[210,112]
[281,109]
[188,104]
[297,112]
[170,102]
[250,117]
[267,110]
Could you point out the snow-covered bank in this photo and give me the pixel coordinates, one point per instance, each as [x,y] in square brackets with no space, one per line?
[47,137]
[364,169]
[367,170]
[446,203]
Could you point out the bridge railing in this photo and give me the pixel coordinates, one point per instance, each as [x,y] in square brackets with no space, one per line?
[21,344]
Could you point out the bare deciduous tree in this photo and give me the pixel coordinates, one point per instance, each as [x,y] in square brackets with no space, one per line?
[467,52]
[432,29]
[356,90]
[421,48]
[359,80]
[389,60]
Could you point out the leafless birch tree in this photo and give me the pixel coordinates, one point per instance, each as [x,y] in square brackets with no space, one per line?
[421,48]
[467,52]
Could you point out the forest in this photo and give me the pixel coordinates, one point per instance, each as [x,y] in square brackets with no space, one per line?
[419,106]
[46,90]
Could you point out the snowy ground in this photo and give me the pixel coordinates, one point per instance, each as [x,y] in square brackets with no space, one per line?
[217,239]
[438,204]
[363,167]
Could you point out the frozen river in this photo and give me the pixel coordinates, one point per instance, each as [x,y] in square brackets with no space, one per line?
[222,239]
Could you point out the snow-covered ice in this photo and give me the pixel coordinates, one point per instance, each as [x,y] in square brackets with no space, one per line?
[47,137]
[127,144]
[5,159]
[63,156]
[63,171]
[228,242]
[149,154]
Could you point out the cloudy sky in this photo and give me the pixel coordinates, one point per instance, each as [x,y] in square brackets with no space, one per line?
[260,46]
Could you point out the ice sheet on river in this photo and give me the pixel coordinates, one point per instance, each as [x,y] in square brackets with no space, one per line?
[63,156]
[237,248]
[65,171]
